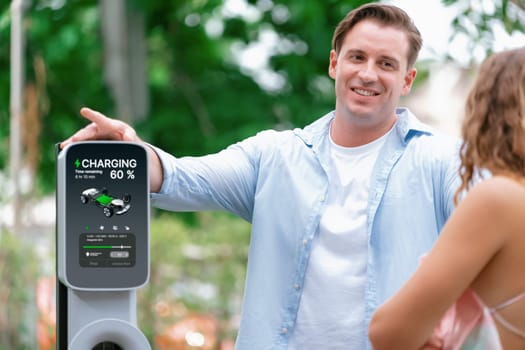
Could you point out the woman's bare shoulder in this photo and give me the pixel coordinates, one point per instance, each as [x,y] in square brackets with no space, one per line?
[499,188]
[501,196]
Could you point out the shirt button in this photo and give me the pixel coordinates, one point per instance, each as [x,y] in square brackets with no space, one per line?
[284,330]
[305,242]
[296,286]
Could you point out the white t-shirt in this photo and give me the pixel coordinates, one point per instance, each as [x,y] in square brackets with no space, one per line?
[332,308]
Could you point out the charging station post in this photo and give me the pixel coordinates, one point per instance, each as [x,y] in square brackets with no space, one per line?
[102,244]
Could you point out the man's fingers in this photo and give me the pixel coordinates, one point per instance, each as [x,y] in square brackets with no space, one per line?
[103,122]
[107,128]
[102,128]
[89,132]
[129,134]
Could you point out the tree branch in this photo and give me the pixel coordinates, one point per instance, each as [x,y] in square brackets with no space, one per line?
[519,3]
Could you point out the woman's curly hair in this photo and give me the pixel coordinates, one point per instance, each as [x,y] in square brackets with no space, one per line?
[493,129]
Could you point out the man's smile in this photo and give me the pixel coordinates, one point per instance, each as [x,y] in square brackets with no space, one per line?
[364,92]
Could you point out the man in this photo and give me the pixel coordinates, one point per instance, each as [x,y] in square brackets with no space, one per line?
[340,210]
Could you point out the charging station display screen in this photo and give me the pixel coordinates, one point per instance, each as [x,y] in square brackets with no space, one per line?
[106,223]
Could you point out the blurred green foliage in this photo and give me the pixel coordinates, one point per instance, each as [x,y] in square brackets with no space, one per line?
[201,271]
[191,75]
[477,20]
[18,273]
[201,100]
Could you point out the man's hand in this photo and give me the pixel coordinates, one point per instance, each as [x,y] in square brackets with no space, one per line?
[102,128]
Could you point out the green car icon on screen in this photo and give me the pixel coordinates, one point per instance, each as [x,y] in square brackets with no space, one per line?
[110,205]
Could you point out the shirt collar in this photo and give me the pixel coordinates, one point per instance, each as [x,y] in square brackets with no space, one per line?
[406,127]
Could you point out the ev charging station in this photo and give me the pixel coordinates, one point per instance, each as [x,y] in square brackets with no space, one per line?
[102,244]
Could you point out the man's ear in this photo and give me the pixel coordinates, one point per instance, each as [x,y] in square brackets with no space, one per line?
[332,67]
[410,76]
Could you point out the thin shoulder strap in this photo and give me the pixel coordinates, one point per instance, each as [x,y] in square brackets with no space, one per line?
[507,324]
[503,321]
[508,302]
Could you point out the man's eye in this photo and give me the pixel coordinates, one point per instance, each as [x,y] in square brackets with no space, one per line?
[388,65]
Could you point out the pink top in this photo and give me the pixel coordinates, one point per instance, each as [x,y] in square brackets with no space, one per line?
[469,325]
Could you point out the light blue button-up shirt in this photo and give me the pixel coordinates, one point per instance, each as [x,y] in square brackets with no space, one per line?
[277,181]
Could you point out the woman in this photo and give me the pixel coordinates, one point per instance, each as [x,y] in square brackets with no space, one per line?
[468,292]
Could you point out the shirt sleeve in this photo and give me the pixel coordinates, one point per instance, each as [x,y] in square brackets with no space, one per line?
[223,181]
[451,179]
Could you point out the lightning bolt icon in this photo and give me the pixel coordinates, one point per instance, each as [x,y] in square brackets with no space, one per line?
[77,163]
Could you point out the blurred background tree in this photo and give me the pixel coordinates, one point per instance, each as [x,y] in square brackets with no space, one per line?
[477,22]
[192,76]
[206,81]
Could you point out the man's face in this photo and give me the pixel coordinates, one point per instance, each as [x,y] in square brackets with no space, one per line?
[371,74]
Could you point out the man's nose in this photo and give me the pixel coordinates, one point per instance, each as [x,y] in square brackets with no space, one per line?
[368,73]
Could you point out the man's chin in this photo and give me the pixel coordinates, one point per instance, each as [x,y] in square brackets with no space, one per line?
[361,112]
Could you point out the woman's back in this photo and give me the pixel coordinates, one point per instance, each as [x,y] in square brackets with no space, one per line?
[481,249]
[503,278]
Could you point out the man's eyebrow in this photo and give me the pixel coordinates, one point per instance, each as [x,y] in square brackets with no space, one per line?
[362,52]
[389,58]
[354,51]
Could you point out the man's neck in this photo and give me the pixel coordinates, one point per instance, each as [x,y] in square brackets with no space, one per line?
[347,134]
